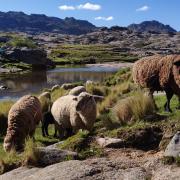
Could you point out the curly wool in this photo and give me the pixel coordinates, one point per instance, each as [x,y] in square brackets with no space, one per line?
[157,72]
[67,115]
[23,118]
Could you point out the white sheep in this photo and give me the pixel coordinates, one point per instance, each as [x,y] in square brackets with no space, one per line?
[74,113]
[77,90]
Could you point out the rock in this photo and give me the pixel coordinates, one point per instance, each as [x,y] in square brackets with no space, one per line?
[173,148]
[50,156]
[110,142]
[36,57]
[166,173]
[100,168]
[3,87]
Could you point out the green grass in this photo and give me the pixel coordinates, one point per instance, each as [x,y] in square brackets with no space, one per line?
[22,42]
[83,54]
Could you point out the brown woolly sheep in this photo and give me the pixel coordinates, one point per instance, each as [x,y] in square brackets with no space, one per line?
[23,118]
[159,73]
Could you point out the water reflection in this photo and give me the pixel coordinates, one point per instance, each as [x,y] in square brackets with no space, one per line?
[20,85]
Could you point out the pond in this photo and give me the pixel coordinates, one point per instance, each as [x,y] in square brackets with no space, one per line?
[34,82]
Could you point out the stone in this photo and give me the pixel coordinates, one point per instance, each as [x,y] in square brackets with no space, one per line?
[110,142]
[36,57]
[173,148]
[53,155]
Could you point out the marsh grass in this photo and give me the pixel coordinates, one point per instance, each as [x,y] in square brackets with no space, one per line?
[134,108]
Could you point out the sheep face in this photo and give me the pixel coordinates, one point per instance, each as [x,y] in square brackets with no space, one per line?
[83,101]
[176,70]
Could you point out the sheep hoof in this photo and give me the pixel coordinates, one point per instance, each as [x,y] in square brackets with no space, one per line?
[168,110]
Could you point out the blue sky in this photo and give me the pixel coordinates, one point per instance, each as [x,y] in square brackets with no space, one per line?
[102,12]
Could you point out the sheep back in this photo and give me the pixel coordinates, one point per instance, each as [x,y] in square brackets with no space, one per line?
[77,90]
[146,72]
[23,117]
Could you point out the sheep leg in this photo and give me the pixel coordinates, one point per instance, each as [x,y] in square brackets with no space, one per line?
[151,92]
[169,95]
[55,131]
[43,129]
[46,129]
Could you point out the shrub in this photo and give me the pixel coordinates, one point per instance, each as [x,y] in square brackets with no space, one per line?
[133,108]
[22,42]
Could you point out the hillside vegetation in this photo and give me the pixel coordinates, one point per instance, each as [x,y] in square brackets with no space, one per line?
[126,112]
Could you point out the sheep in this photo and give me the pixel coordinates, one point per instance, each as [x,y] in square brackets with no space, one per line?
[77,90]
[47,119]
[45,99]
[23,118]
[159,73]
[72,113]
[55,87]
[67,86]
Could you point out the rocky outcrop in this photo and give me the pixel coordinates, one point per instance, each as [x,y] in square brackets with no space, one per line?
[173,148]
[120,165]
[151,26]
[35,57]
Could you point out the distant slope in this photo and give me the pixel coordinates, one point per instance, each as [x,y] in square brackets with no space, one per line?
[151,26]
[19,21]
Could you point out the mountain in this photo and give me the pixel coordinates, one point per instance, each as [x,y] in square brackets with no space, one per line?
[19,21]
[151,26]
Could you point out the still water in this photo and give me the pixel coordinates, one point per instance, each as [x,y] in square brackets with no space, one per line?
[34,82]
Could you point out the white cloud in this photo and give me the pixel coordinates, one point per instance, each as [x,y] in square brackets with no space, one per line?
[143,8]
[65,7]
[110,18]
[89,6]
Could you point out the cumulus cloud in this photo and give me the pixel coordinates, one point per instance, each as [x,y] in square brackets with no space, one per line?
[143,8]
[65,7]
[86,6]
[89,6]
[110,18]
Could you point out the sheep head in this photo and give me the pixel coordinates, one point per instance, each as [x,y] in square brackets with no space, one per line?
[176,70]
[84,101]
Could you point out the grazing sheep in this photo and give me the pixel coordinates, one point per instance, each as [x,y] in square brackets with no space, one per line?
[23,118]
[74,112]
[77,90]
[55,87]
[47,119]
[67,86]
[45,99]
[159,73]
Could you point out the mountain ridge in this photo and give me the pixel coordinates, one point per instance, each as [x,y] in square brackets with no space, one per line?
[38,23]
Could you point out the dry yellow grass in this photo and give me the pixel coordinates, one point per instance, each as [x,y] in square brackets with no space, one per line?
[133,108]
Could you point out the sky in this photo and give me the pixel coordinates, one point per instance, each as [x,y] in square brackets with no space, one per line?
[102,12]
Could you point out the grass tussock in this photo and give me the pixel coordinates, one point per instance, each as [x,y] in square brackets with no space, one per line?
[134,108]
[58,93]
[31,153]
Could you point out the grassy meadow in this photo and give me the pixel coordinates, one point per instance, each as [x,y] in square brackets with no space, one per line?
[124,112]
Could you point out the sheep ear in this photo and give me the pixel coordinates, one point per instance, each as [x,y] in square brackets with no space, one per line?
[75,98]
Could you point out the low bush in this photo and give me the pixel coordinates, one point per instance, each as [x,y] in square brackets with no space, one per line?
[134,108]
